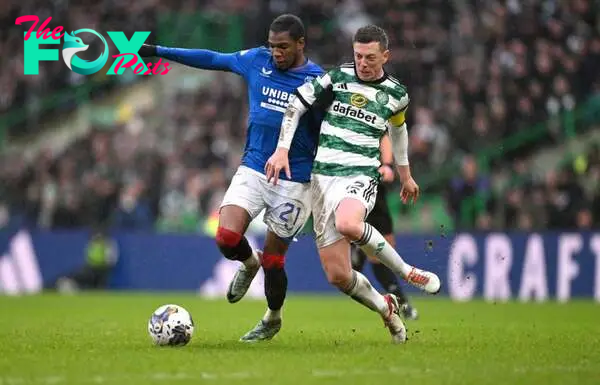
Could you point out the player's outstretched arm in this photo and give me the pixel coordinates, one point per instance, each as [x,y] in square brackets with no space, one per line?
[399,139]
[197,58]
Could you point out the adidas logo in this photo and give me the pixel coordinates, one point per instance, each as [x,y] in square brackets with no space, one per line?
[19,269]
[380,247]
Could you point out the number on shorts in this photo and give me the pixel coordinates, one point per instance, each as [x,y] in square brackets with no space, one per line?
[285,215]
[354,187]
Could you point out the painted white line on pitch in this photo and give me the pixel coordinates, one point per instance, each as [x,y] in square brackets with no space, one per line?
[346,373]
[171,377]
[203,376]
[53,380]
[12,381]
[557,369]
[319,373]
[364,372]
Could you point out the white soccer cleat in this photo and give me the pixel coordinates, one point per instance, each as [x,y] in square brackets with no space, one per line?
[393,321]
[239,285]
[424,280]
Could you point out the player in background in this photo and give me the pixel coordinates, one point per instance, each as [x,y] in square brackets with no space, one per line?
[272,75]
[381,220]
[345,171]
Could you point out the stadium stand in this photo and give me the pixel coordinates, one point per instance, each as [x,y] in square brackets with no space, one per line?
[493,83]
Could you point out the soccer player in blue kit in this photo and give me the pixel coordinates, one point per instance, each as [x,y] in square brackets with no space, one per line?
[272,75]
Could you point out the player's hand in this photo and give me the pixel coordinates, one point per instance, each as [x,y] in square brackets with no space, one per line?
[410,191]
[147,50]
[387,173]
[277,162]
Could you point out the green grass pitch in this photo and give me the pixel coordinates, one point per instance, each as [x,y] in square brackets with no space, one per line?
[102,339]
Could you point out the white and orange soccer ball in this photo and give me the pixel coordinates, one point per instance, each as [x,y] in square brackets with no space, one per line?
[171,325]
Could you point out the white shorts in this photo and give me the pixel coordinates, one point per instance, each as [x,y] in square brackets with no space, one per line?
[327,193]
[287,205]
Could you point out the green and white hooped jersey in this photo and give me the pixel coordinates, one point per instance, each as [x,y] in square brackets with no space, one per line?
[355,121]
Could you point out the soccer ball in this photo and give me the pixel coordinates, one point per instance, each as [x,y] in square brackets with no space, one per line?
[171,325]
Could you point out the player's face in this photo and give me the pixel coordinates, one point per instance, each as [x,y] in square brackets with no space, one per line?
[369,59]
[284,49]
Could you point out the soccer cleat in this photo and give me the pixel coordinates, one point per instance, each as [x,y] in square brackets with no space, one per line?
[393,321]
[409,312]
[424,280]
[263,331]
[239,285]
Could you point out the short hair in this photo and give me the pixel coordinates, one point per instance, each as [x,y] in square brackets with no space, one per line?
[372,33]
[288,23]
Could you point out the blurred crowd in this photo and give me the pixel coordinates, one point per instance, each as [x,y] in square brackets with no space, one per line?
[565,198]
[31,93]
[478,72]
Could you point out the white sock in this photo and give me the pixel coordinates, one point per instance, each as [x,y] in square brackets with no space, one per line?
[361,290]
[253,261]
[373,243]
[272,315]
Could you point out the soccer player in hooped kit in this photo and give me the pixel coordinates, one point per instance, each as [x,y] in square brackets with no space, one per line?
[345,174]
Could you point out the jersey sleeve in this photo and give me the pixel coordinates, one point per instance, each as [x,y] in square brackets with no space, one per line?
[397,130]
[317,89]
[399,118]
[237,62]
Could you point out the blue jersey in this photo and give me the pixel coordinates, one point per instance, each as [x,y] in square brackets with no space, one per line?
[269,90]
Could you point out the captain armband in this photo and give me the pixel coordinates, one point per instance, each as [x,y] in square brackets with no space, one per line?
[399,119]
